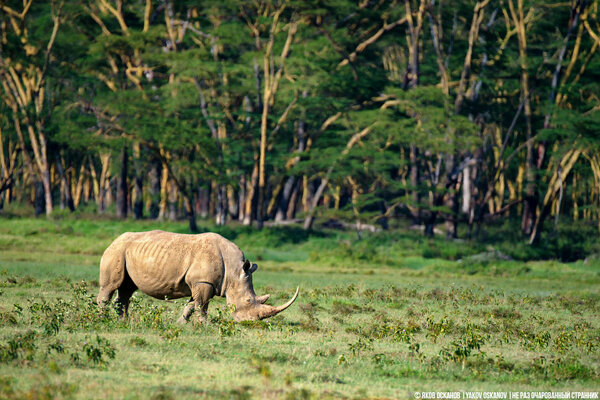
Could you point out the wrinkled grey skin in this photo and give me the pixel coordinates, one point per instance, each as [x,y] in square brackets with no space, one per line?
[168,265]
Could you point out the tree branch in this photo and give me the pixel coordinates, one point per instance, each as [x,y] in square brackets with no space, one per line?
[362,46]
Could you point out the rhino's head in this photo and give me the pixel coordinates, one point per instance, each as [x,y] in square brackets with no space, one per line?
[249,306]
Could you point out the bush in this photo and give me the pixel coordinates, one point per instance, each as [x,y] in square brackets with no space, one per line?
[20,346]
[99,352]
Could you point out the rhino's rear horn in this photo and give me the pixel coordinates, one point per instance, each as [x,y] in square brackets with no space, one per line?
[263,299]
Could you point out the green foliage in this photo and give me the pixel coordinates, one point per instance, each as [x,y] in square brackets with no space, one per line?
[222,319]
[461,349]
[100,351]
[44,390]
[20,346]
[360,345]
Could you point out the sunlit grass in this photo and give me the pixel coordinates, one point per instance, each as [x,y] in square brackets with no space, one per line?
[366,324]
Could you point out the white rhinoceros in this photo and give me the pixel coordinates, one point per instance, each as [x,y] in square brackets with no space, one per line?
[168,265]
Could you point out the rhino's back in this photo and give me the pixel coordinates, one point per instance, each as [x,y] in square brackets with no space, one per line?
[158,261]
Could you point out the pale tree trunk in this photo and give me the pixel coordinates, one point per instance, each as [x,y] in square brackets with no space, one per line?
[306,194]
[411,78]
[122,186]
[250,190]
[467,191]
[94,178]
[104,183]
[291,210]
[271,83]
[138,197]
[87,188]
[451,200]
[232,202]
[263,145]
[436,36]
[79,186]
[46,178]
[275,197]
[242,198]
[172,200]
[575,197]
[478,14]
[355,194]
[164,194]
[530,197]
[221,205]
[154,188]
[414,183]
[109,196]
[66,196]
[468,203]
[8,164]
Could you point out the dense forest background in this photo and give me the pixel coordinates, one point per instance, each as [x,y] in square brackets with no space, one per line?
[361,112]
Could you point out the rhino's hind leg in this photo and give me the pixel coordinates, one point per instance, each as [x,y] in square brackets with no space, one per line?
[112,274]
[105,295]
[125,292]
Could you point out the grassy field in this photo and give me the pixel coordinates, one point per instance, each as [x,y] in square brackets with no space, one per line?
[380,317]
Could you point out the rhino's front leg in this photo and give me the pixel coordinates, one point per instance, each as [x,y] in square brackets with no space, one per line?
[201,294]
[187,312]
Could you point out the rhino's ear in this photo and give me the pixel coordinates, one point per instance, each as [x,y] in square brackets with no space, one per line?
[249,268]
[246,266]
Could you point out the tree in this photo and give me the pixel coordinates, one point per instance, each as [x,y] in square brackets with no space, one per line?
[25,58]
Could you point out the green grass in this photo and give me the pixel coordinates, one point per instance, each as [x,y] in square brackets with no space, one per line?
[380,317]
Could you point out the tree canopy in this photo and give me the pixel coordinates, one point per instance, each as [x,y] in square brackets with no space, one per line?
[365,112]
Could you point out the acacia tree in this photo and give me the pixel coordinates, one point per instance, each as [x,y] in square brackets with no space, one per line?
[25,59]
[9,163]
[363,111]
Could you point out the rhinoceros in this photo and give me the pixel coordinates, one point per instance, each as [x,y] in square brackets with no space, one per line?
[168,265]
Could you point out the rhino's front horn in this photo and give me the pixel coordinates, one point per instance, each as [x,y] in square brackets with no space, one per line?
[266,311]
